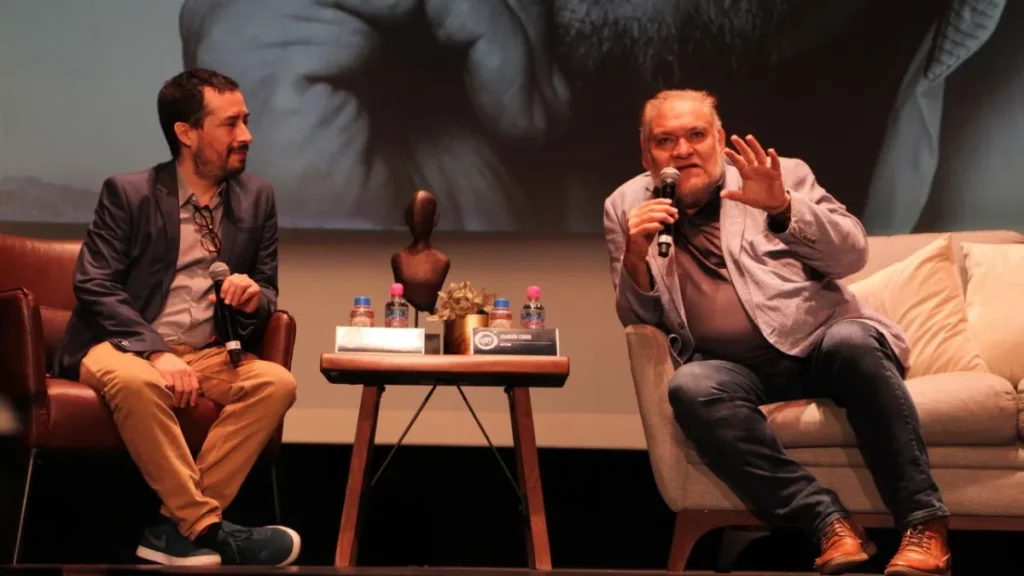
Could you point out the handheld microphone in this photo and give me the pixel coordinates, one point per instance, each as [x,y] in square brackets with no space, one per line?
[218,273]
[669,176]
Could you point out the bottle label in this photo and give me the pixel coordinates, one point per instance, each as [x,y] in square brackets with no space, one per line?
[396,317]
[361,316]
[532,318]
[362,321]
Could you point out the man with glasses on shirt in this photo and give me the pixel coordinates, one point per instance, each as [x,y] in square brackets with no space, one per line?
[143,332]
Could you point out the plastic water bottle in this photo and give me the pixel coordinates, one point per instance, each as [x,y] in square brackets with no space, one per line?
[362,313]
[501,314]
[533,311]
[396,311]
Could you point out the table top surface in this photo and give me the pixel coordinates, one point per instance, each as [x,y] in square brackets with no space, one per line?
[420,369]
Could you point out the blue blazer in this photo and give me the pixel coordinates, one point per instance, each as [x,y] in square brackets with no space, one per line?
[130,253]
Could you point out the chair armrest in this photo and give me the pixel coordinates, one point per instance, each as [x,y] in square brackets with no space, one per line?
[652,369]
[278,343]
[23,353]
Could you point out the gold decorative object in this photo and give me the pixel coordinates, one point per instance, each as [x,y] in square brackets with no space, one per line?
[458,333]
[462,307]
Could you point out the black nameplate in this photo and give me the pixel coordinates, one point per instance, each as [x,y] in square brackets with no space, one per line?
[515,341]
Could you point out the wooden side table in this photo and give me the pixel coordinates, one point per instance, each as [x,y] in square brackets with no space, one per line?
[517,374]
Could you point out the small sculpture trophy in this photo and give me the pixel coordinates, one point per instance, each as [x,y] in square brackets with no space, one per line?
[419,267]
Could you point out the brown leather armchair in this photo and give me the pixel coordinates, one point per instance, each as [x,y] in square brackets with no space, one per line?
[36,300]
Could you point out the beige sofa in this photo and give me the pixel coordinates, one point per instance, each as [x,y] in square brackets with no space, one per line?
[969,407]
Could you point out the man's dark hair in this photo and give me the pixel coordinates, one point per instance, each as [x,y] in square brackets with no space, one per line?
[181,100]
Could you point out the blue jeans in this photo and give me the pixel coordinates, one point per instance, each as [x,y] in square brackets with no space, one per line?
[717,403]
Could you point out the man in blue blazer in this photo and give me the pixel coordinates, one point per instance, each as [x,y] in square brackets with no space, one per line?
[144,334]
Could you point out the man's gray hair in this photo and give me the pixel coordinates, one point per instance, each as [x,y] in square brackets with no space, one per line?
[665,96]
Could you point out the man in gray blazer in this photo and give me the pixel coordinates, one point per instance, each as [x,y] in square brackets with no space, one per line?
[145,336]
[749,298]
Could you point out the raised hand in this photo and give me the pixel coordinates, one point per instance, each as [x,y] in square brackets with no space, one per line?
[762,176]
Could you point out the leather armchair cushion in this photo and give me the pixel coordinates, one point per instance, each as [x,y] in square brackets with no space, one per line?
[80,419]
[55,322]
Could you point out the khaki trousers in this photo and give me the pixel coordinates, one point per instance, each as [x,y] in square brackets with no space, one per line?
[194,493]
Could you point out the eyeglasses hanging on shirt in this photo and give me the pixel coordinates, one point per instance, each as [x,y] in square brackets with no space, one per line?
[209,239]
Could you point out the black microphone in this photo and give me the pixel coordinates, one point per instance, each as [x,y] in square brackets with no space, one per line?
[669,177]
[219,272]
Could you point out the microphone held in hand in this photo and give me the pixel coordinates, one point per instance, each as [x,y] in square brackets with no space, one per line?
[668,178]
[219,272]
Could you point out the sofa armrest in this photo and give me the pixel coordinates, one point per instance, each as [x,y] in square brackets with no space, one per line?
[23,354]
[651,365]
[278,343]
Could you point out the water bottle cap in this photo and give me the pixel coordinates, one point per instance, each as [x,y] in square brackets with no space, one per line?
[533,292]
[501,303]
[362,301]
[397,289]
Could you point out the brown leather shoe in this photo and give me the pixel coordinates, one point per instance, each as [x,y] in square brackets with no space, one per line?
[843,546]
[923,551]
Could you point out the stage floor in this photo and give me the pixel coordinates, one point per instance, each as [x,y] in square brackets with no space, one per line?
[98,570]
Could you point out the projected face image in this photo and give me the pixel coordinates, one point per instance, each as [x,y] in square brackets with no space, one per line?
[511,113]
[523,115]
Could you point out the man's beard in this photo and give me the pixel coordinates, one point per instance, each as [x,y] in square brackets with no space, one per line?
[670,42]
[215,168]
[694,199]
[700,194]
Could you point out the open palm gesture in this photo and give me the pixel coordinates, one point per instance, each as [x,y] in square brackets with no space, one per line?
[762,176]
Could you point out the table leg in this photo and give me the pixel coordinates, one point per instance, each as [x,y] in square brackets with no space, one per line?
[537,550]
[358,471]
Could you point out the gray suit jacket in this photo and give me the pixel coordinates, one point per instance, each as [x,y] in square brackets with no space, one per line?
[130,252]
[787,282]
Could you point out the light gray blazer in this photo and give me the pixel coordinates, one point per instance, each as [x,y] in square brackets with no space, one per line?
[787,282]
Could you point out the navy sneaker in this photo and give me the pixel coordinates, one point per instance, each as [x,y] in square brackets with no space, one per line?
[163,544]
[266,546]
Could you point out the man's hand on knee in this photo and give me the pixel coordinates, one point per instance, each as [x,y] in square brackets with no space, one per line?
[180,378]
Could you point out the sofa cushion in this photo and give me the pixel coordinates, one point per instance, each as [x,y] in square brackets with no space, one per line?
[885,251]
[956,409]
[995,317]
[924,295]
